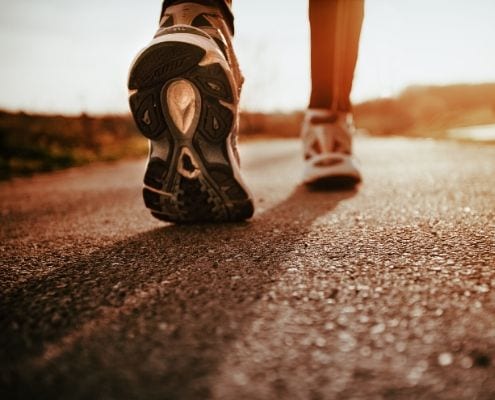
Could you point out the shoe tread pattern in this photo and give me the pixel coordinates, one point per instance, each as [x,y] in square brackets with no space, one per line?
[215,195]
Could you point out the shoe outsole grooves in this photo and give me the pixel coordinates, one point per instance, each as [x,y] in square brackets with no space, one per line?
[189,177]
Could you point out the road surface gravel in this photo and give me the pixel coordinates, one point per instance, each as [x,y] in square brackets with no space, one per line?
[382,292]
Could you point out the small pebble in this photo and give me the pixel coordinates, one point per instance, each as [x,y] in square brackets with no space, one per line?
[467,362]
[445,359]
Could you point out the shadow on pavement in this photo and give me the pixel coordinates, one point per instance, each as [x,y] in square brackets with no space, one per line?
[153,314]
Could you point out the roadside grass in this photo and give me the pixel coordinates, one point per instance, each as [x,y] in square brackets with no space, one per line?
[31,143]
[38,143]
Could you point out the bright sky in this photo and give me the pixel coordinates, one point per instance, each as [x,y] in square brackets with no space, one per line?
[71,55]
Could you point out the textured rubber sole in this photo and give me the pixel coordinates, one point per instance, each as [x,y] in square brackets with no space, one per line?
[186,110]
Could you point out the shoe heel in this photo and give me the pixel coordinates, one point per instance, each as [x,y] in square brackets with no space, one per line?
[150,72]
[181,106]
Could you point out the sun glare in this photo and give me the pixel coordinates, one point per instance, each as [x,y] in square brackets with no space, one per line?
[72,56]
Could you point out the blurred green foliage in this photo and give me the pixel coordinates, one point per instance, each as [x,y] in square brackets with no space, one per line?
[35,143]
[428,111]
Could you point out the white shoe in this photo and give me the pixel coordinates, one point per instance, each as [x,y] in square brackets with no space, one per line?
[184,97]
[327,141]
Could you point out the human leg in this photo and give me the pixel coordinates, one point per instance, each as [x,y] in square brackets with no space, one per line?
[223,5]
[335,31]
[328,125]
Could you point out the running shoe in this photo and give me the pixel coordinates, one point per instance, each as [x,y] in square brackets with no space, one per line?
[184,90]
[327,141]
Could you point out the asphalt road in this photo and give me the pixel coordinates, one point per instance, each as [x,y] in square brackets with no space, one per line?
[384,292]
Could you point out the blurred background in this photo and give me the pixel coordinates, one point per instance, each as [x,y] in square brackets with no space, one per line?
[425,69]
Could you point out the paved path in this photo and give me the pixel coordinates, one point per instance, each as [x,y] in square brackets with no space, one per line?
[385,292]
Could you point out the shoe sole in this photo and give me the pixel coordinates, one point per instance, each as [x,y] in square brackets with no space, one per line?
[340,172]
[336,182]
[186,108]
